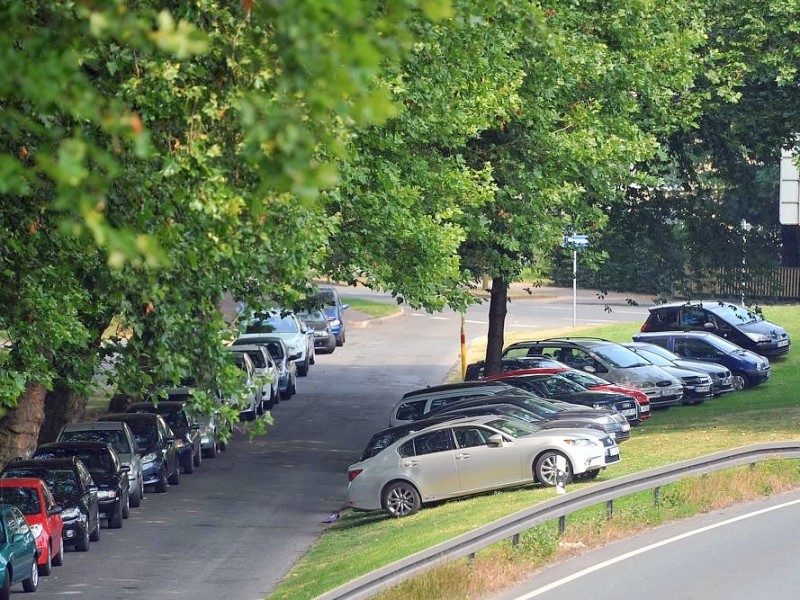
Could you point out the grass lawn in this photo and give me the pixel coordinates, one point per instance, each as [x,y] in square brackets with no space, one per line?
[372,308]
[361,542]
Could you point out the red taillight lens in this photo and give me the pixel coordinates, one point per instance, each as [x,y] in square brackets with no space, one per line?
[643,328]
[353,474]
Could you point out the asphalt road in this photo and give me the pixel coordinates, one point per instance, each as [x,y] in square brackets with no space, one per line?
[741,553]
[236,526]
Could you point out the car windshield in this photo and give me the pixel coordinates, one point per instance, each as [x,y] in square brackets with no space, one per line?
[655,349]
[723,344]
[735,315]
[275,349]
[273,323]
[94,461]
[541,408]
[619,356]
[145,433]
[654,358]
[258,359]
[62,482]
[24,498]
[326,297]
[583,378]
[512,427]
[314,315]
[176,419]
[114,437]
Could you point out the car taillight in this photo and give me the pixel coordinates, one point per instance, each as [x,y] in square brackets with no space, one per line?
[353,474]
[643,328]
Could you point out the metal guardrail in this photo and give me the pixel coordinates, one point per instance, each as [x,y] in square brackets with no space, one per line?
[511,526]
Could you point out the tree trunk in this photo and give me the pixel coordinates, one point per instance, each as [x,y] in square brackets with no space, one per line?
[61,406]
[497,323]
[19,429]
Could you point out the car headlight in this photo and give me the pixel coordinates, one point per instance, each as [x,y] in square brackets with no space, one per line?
[149,457]
[37,530]
[579,441]
[758,338]
[106,494]
[606,420]
[335,322]
[643,384]
[73,512]
[180,442]
[598,405]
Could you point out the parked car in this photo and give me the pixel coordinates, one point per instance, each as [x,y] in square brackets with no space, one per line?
[181,421]
[697,385]
[249,402]
[475,372]
[291,329]
[426,402]
[108,474]
[557,387]
[333,307]
[120,437]
[721,376]
[73,490]
[157,448]
[265,373]
[735,323]
[211,438]
[496,452]
[35,501]
[608,360]
[287,369]
[18,552]
[747,367]
[324,339]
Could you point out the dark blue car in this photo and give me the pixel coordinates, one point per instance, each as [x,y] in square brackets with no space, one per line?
[750,368]
[332,306]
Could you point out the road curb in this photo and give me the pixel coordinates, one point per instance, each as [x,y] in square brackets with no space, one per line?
[364,323]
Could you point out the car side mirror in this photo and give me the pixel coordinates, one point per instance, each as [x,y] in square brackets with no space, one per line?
[195,427]
[589,369]
[294,356]
[125,469]
[496,441]
[17,538]
[93,489]
[709,326]
[344,306]
[55,510]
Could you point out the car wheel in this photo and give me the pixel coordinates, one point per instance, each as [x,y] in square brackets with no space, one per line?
[293,387]
[82,545]
[287,393]
[188,466]
[95,535]
[58,559]
[740,381]
[161,484]
[175,478]
[5,588]
[31,583]
[47,567]
[545,468]
[126,507]
[313,359]
[587,476]
[302,370]
[136,500]
[198,458]
[401,499]
[115,520]
[340,339]
[212,452]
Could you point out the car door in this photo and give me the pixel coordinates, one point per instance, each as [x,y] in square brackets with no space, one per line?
[484,467]
[428,460]
[55,524]
[166,438]
[697,350]
[23,552]
[89,493]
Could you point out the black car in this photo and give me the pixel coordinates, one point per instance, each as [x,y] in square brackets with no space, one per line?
[74,491]
[735,323]
[182,422]
[157,447]
[557,387]
[324,340]
[108,474]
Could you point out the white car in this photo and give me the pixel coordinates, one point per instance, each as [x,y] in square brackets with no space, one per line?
[266,374]
[298,337]
[468,456]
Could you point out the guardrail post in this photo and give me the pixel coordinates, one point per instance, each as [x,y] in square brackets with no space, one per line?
[609,509]
[515,540]
[562,524]
[656,495]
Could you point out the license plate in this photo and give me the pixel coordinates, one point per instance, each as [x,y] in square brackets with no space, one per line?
[613,452]
[783,343]
[628,412]
[703,388]
[645,408]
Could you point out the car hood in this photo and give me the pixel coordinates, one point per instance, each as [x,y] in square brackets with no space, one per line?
[681,372]
[590,414]
[705,367]
[591,396]
[764,328]
[645,373]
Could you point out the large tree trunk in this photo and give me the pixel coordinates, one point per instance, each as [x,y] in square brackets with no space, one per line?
[497,323]
[61,406]
[19,429]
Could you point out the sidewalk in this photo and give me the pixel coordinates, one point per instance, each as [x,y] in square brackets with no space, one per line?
[524,291]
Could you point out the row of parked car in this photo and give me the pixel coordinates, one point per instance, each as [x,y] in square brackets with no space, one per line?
[570,399]
[97,471]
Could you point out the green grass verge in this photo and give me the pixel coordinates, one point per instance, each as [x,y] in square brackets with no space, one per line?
[361,542]
[372,308]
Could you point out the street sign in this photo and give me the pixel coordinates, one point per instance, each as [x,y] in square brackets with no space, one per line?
[576,240]
[789,190]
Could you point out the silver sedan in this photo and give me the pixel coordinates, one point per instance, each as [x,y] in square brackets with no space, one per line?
[472,455]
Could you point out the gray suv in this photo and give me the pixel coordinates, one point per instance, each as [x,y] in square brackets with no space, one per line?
[120,437]
[608,360]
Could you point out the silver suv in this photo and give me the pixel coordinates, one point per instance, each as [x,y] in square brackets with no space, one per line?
[120,437]
[608,360]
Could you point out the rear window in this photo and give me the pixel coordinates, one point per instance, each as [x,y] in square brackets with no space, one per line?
[273,324]
[116,438]
[26,499]
[411,411]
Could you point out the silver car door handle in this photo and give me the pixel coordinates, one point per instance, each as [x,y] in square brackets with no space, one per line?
[410,463]
[462,456]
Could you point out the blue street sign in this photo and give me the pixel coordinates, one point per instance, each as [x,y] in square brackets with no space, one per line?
[576,241]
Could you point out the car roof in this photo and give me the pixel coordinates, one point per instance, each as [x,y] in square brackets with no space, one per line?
[252,339]
[162,406]
[21,482]
[67,462]
[677,333]
[462,385]
[77,444]
[246,347]
[698,303]
[131,417]
[94,426]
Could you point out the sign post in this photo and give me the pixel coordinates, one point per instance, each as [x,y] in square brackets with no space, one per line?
[576,242]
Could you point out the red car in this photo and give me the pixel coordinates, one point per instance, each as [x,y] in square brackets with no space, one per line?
[587,380]
[35,500]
